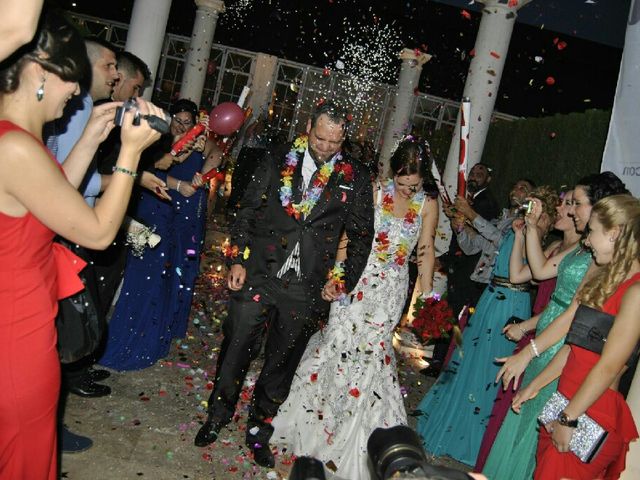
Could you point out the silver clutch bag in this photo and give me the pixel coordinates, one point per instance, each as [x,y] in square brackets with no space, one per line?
[588,437]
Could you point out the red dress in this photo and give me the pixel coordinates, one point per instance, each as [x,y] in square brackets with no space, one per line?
[34,274]
[610,411]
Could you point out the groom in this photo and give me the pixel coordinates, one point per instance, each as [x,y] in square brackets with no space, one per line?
[284,242]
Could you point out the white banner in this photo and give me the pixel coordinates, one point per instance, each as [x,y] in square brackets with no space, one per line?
[622,150]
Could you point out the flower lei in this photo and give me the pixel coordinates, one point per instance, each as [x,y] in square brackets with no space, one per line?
[312,194]
[336,275]
[382,243]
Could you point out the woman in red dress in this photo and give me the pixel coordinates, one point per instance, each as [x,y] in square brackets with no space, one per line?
[38,199]
[591,363]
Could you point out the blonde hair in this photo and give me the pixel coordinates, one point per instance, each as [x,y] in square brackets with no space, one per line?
[622,211]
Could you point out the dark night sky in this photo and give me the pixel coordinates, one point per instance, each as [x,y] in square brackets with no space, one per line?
[585,71]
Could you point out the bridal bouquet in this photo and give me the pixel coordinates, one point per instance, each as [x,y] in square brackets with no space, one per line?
[434,319]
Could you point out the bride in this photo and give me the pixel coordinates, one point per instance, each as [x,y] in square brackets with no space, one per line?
[347,383]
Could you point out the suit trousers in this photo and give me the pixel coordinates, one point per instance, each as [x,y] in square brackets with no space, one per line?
[285,311]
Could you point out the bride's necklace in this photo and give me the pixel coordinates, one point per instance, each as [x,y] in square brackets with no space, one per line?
[382,243]
[312,194]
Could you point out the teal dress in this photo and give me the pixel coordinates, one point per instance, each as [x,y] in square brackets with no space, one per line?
[455,412]
[513,454]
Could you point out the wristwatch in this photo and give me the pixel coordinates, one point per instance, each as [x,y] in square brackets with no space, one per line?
[563,420]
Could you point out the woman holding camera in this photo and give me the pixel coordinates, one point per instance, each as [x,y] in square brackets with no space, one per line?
[39,199]
[602,341]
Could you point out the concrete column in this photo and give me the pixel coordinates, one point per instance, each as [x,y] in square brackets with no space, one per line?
[264,76]
[195,69]
[146,34]
[632,470]
[398,120]
[483,80]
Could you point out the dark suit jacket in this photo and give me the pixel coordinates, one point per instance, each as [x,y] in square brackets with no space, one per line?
[263,225]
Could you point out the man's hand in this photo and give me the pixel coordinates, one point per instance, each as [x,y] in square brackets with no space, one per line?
[237,276]
[462,206]
[149,181]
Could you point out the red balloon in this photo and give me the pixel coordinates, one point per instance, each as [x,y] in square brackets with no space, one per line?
[226,118]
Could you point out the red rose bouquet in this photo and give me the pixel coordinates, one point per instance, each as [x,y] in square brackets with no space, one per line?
[434,319]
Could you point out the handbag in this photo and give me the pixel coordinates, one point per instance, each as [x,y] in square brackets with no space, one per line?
[80,326]
[588,437]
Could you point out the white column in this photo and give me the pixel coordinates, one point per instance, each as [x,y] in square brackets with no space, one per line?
[398,119]
[632,470]
[262,84]
[483,80]
[195,68]
[146,34]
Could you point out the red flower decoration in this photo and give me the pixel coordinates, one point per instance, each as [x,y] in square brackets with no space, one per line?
[345,170]
[354,392]
[387,359]
[313,377]
[433,319]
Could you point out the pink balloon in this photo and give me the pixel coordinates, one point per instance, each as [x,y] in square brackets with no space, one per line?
[226,118]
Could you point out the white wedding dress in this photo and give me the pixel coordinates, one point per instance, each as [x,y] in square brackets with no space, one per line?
[347,385]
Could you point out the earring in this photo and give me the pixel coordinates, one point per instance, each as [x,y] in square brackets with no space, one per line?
[611,239]
[40,91]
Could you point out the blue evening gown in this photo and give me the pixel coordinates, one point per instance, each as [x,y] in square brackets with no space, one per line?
[140,329]
[455,412]
[188,237]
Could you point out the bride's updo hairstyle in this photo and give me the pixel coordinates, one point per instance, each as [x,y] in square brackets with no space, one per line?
[57,47]
[414,156]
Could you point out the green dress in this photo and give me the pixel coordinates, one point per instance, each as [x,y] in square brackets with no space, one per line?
[513,454]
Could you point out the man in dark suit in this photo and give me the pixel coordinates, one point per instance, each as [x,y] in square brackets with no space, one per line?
[284,242]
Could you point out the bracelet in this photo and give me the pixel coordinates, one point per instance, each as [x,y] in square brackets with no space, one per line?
[126,171]
[178,186]
[534,347]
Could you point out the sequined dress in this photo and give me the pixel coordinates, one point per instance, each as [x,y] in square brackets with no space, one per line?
[346,385]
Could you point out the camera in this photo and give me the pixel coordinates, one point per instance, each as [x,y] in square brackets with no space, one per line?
[157,123]
[394,452]
[397,452]
[526,207]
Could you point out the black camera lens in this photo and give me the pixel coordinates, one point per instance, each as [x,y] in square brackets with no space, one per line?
[307,468]
[394,449]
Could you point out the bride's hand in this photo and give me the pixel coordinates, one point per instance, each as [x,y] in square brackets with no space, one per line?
[330,291]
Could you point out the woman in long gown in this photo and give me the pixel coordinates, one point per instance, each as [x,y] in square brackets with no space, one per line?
[455,412]
[39,198]
[602,339]
[513,453]
[569,262]
[143,322]
[347,384]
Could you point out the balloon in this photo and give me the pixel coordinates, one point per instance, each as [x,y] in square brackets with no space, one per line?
[226,118]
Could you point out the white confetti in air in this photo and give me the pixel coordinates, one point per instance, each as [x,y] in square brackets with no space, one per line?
[369,54]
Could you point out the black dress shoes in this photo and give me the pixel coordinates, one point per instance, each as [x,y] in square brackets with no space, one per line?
[263,456]
[97,375]
[89,389]
[207,434]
